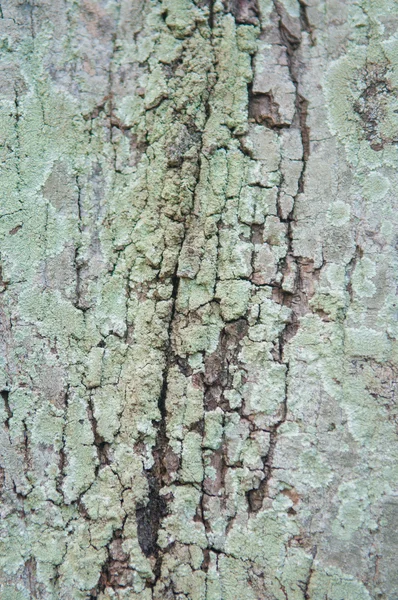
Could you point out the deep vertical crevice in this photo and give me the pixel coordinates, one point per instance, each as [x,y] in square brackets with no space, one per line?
[76,258]
[306,588]
[302,110]
[17,150]
[211,14]
[101,446]
[62,451]
[149,515]
[5,395]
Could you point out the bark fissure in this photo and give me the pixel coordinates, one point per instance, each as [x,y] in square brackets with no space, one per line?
[150,515]
[5,396]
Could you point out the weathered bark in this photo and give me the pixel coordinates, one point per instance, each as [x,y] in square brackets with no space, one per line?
[199,317]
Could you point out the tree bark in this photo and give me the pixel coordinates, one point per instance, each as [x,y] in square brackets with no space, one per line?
[199,320]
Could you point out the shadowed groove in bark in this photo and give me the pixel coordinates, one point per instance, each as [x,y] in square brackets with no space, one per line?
[211,14]
[5,396]
[102,447]
[150,515]
[116,570]
[306,589]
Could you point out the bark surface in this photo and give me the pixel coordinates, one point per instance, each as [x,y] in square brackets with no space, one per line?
[199,319]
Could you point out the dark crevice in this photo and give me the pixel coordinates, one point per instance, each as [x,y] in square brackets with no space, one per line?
[150,515]
[116,571]
[5,395]
[302,110]
[163,392]
[78,262]
[283,589]
[17,149]
[26,452]
[31,576]
[100,444]
[166,462]
[211,14]
[306,587]
[148,518]
[62,453]
[206,560]
[3,282]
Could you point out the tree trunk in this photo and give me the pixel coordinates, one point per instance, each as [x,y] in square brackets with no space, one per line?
[199,316]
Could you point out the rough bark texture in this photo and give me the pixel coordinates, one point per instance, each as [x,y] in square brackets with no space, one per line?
[199,316]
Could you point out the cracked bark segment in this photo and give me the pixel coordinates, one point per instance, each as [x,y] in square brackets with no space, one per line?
[198,312]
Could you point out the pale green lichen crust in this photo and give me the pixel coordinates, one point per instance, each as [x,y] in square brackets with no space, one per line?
[198,300]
